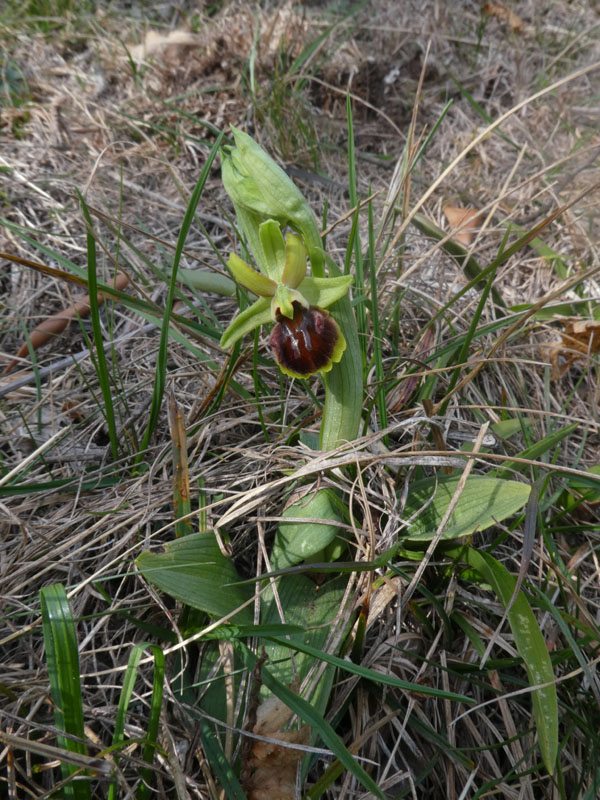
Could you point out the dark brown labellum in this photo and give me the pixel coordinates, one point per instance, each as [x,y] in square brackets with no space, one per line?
[305,343]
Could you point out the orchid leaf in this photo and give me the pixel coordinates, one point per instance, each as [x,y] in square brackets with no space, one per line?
[530,644]
[483,502]
[194,571]
[313,526]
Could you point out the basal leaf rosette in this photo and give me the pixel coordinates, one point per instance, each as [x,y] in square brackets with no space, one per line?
[305,339]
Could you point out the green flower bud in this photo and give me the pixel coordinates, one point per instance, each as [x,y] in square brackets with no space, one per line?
[261,190]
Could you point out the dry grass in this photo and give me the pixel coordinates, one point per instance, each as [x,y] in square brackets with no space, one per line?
[84,113]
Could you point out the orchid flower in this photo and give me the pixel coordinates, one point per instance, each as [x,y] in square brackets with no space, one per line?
[305,339]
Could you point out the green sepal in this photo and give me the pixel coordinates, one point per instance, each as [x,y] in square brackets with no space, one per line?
[259,313]
[322,292]
[255,281]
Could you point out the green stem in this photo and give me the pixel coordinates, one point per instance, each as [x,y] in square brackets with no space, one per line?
[344,383]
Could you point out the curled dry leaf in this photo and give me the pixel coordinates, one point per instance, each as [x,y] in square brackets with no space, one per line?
[465,221]
[58,322]
[580,337]
[504,14]
[271,770]
[159,43]
[229,38]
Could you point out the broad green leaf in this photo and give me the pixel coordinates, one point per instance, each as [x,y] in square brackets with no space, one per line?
[529,643]
[62,656]
[193,570]
[297,541]
[484,501]
[314,608]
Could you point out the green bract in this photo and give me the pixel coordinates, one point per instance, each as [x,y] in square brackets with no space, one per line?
[261,190]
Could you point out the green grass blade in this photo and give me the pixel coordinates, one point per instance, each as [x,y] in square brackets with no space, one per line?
[219,764]
[62,656]
[376,329]
[480,110]
[559,617]
[461,358]
[315,45]
[155,708]
[161,364]
[476,275]
[530,644]
[369,674]
[537,449]
[359,282]
[100,360]
[550,256]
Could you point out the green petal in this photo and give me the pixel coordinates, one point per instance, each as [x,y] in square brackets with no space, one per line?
[295,261]
[259,313]
[250,278]
[273,245]
[322,292]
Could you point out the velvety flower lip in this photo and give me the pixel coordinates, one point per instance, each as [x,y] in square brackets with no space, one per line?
[309,342]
